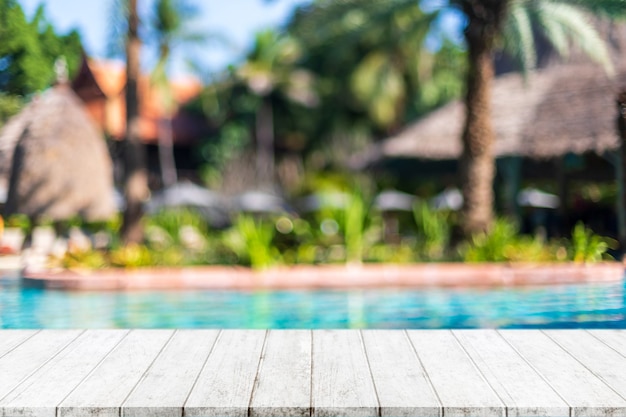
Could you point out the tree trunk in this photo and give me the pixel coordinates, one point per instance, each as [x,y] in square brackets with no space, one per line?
[477,163]
[135,172]
[166,152]
[621,171]
[165,131]
[265,143]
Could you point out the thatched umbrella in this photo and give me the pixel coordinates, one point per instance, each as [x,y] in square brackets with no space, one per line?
[56,160]
[559,110]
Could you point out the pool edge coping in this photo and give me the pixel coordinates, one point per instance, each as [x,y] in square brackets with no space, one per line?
[326,276]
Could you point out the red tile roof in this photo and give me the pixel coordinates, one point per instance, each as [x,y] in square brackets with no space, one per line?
[101,85]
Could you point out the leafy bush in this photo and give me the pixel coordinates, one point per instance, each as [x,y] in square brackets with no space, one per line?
[433,228]
[131,256]
[20,221]
[586,246]
[84,259]
[173,220]
[401,253]
[504,244]
[354,233]
[251,240]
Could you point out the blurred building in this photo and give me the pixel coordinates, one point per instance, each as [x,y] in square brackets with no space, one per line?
[54,163]
[101,85]
[555,127]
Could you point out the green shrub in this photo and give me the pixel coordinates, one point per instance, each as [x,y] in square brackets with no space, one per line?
[504,244]
[354,230]
[172,220]
[20,221]
[87,259]
[131,256]
[586,246]
[251,240]
[433,228]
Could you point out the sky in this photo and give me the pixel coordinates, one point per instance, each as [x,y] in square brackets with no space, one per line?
[237,20]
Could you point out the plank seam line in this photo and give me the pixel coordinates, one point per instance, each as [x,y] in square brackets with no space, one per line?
[206,360]
[430,383]
[311,407]
[20,382]
[607,344]
[145,373]
[258,371]
[20,343]
[600,377]
[569,406]
[369,368]
[58,406]
[480,372]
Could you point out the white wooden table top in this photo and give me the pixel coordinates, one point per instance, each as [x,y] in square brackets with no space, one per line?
[394,373]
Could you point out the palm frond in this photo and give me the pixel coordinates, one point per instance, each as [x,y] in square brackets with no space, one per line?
[615,9]
[322,23]
[577,24]
[553,30]
[519,38]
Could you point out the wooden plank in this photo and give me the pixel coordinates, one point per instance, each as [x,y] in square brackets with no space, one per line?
[521,388]
[166,386]
[598,357]
[616,339]
[12,338]
[102,393]
[29,356]
[580,388]
[45,389]
[224,387]
[401,383]
[460,387]
[283,386]
[341,382]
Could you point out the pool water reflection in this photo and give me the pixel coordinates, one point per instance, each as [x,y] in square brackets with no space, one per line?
[563,306]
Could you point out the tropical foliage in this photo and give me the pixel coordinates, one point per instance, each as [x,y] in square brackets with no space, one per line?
[28,51]
[489,25]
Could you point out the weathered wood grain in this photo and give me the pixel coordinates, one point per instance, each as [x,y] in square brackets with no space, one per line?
[616,339]
[167,384]
[401,383]
[40,394]
[586,394]
[461,388]
[12,338]
[102,393]
[296,373]
[521,388]
[603,361]
[29,356]
[224,387]
[342,382]
[283,385]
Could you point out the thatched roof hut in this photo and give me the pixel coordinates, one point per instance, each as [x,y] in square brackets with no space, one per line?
[56,161]
[560,110]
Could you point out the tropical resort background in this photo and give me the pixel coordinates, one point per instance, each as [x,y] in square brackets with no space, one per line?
[358,132]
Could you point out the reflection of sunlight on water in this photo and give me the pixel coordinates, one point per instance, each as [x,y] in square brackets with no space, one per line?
[356,313]
[584,305]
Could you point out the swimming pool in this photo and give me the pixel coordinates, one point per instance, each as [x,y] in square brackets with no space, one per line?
[563,306]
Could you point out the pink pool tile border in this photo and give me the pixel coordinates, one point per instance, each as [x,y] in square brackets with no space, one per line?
[307,277]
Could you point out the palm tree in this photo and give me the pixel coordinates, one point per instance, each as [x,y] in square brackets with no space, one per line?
[271,68]
[169,30]
[489,24]
[135,172]
[375,70]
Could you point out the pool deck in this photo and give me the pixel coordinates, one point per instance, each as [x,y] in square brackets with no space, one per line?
[396,373]
[326,276]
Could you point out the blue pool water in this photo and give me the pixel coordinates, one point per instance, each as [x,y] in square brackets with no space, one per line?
[586,305]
